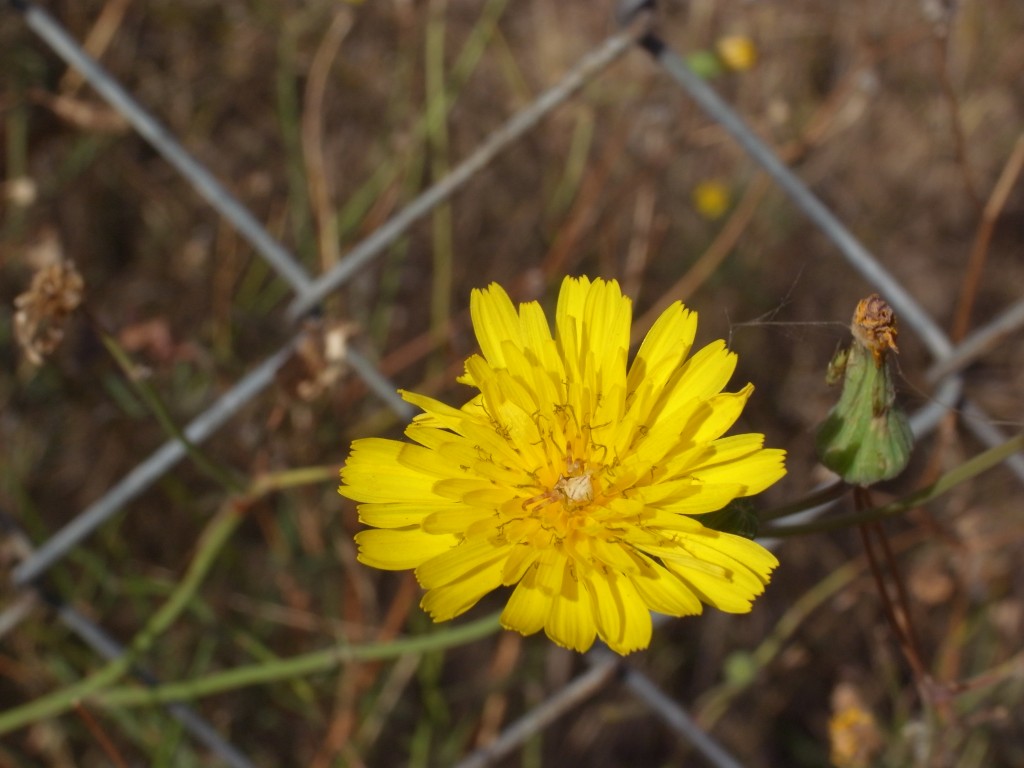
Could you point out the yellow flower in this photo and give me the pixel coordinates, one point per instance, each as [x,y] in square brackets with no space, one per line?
[853,731]
[737,52]
[711,198]
[571,477]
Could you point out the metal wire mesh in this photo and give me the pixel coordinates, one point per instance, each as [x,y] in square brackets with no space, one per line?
[308,290]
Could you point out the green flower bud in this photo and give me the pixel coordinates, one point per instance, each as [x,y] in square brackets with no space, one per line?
[706,64]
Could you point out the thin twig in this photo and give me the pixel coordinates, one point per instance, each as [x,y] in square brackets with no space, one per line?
[585,70]
[313,136]
[979,250]
[897,611]
[909,310]
[149,471]
[204,183]
[96,42]
[989,459]
[106,743]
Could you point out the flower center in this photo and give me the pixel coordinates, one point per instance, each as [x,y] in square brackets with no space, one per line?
[575,490]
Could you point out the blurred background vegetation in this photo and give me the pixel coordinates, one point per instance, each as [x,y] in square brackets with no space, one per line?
[325,118]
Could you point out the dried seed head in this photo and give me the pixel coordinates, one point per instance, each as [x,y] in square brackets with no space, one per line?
[43,310]
[874,326]
[319,360]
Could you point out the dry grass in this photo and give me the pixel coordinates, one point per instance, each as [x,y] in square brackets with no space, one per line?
[322,131]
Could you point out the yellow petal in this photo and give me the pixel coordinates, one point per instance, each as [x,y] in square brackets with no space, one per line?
[456,518]
[528,607]
[471,490]
[663,349]
[399,550]
[448,601]
[546,386]
[494,321]
[703,375]
[734,583]
[373,473]
[538,343]
[570,622]
[435,413]
[616,555]
[426,461]
[740,551]
[721,413]
[756,470]
[402,514]
[467,559]
[572,301]
[663,592]
[623,620]
[732,448]
[520,558]
[764,469]
[700,498]
[606,319]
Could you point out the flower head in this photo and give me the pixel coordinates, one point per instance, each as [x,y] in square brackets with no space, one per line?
[712,199]
[43,310]
[573,477]
[737,52]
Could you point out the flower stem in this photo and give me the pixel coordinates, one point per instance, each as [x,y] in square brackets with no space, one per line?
[282,669]
[210,543]
[830,492]
[966,471]
[216,534]
[220,474]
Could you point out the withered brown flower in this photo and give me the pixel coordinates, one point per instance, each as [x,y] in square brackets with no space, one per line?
[43,310]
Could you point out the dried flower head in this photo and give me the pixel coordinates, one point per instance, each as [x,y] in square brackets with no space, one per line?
[874,326]
[43,309]
[573,477]
[319,361]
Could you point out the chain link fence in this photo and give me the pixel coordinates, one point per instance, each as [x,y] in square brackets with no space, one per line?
[33,598]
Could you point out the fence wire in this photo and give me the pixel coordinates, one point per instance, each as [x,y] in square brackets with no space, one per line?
[106,647]
[308,291]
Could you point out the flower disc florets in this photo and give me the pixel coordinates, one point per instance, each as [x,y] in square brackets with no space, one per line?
[572,477]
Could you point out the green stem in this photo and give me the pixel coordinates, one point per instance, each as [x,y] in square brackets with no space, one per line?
[966,471]
[715,702]
[159,411]
[815,499]
[283,669]
[437,138]
[210,543]
[290,478]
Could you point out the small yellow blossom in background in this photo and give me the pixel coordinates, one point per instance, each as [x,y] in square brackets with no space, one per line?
[711,198]
[737,52]
[573,477]
[853,733]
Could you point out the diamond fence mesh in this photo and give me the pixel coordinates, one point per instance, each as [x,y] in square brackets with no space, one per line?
[221,556]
